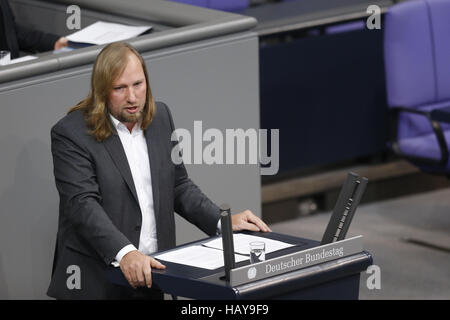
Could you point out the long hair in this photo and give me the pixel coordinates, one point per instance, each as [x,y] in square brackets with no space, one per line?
[108,66]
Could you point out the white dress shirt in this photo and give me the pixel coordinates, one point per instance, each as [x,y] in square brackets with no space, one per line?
[135,147]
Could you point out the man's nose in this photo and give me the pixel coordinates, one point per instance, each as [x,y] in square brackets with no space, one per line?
[131,95]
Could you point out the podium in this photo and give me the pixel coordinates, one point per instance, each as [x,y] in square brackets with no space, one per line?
[335,279]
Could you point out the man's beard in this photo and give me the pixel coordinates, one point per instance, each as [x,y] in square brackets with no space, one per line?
[124,116]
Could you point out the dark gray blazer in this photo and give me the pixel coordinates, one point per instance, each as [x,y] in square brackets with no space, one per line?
[99,212]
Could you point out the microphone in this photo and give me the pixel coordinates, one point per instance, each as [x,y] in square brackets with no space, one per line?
[348,200]
[227,239]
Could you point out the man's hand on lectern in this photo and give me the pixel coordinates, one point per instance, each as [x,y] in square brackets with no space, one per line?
[248,221]
[137,268]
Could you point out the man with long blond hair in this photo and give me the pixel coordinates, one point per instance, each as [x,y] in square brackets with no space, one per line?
[118,186]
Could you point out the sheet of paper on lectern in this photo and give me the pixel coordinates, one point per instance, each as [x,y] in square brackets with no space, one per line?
[105,32]
[197,256]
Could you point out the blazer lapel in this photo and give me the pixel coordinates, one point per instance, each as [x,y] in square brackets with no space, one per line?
[151,138]
[114,146]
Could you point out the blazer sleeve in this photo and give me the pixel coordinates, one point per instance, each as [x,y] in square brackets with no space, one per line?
[35,40]
[190,202]
[80,198]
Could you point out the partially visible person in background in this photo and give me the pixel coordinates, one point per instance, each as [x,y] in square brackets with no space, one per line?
[15,37]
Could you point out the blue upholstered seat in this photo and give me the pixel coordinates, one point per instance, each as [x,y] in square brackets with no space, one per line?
[417,66]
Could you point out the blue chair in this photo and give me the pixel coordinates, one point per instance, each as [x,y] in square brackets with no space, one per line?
[224,5]
[417,62]
[417,66]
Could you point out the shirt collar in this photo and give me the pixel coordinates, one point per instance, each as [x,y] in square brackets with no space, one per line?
[120,126]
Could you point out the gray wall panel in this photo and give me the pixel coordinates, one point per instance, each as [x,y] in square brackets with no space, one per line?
[213,81]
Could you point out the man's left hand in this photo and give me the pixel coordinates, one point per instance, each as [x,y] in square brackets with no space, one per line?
[61,43]
[248,221]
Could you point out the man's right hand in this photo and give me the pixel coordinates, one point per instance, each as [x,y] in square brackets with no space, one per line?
[137,268]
